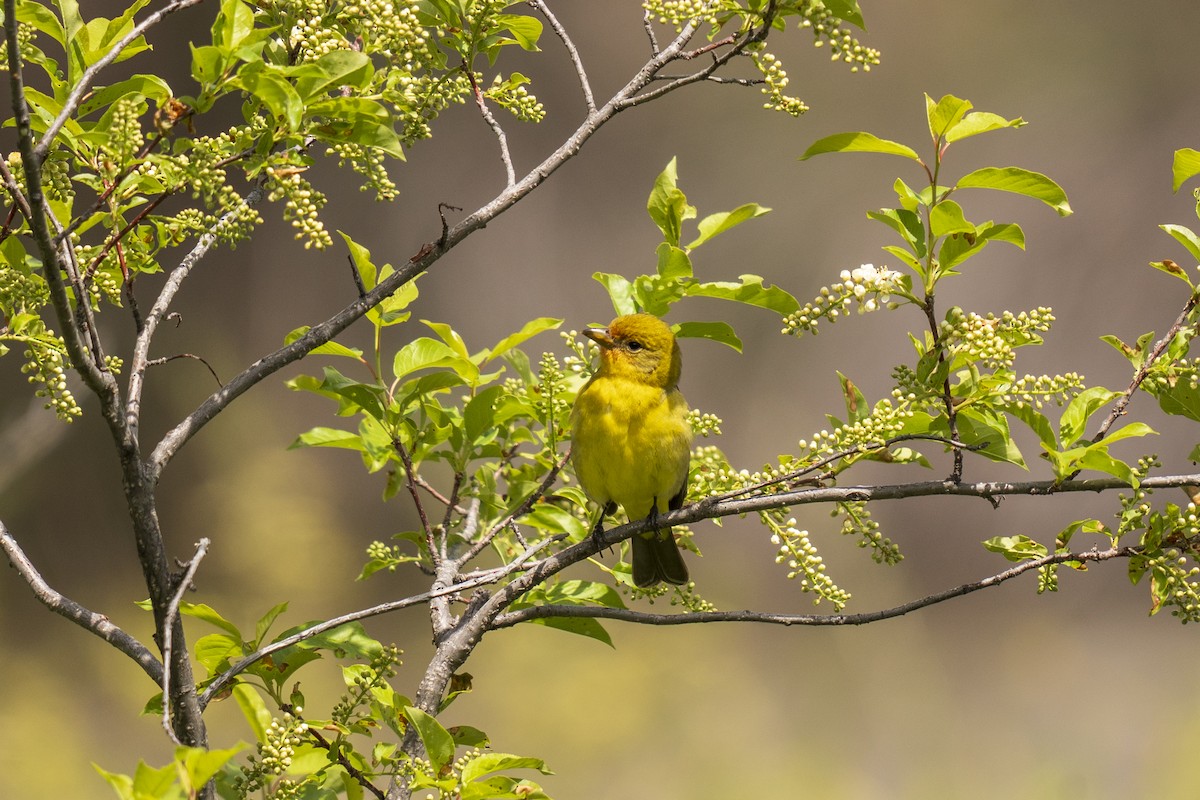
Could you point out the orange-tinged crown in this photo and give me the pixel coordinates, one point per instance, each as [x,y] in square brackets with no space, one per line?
[639,347]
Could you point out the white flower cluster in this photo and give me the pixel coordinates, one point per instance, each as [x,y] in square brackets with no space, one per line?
[869,286]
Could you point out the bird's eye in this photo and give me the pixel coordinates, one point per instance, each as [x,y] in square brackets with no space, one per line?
[634,345]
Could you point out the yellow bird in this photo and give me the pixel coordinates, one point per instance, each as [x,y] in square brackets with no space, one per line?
[631,438]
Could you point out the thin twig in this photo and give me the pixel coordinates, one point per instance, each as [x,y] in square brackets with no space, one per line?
[510,174]
[584,84]
[91,621]
[155,362]
[511,618]
[1140,376]
[519,511]
[185,583]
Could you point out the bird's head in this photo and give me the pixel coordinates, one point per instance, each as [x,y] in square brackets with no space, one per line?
[640,347]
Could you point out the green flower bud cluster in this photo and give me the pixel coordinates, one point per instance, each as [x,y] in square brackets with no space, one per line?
[368,162]
[869,286]
[1175,582]
[550,391]
[124,134]
[45,365]
[283,737]
[302,205]
[685,597]
[711,473]
[857,521]
[828,28]
[803,561]
[704,424]
[1037,390]
[680,12]
[992,339]
[776,80]
[514,97]
[886,420]
[362,680]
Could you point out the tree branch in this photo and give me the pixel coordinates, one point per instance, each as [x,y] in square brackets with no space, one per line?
[584,84]
[1155,352]
[89,620]
[511,618]
[185,583]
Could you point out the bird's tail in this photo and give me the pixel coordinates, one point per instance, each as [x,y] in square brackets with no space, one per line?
[656,558]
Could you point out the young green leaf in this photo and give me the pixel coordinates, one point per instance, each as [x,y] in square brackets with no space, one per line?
[1020,181]
[858,142]
[716,224]
[1185,237]
[1184,166]
[944,114]
[439,744]
[978,122]
[721,332]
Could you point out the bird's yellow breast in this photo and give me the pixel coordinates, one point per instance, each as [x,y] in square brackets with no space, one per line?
[632,443]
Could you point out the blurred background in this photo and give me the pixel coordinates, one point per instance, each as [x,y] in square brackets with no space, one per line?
[1000,694]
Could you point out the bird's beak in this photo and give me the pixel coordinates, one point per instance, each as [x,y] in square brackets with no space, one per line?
[600,336]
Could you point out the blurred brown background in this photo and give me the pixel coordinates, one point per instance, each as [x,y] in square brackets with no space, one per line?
[1001,694]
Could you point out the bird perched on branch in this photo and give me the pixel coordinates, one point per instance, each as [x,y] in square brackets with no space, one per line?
[631,438]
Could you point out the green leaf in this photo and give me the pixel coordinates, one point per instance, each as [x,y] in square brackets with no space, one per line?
[327,349]
[1098,458]
[904,222]
[1072,424]
[979,426]
[581,626]
[208,614]
[668,206]
[555,520]
[265,622]
[858,142]
[525,30]
[200,764]
[426,353]
[274,91]
[528,331]
[673,262]
[1184,166]
[254,709]
[479,413]
[947,217]
[233,24]
[1185,237]
[979,122]
[1016,548]
[488,763]
[944,114]
[720,332]
[1174,270]
[749,291]
[439,744]
[1018,181]
[620,291]
[328,437]
[716,224]
[332,71]
[150,87]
